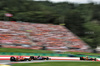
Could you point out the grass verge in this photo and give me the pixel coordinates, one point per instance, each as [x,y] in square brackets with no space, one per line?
[24,50]
[60,64]
[40,51]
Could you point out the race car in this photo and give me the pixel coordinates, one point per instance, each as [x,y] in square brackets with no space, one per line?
[19,58]
[88,58]
[39,58]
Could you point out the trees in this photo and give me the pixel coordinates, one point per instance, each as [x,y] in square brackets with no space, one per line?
[74,22]
[93,36]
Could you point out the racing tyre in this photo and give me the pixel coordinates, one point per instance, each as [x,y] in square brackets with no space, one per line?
[12,58]
[95,59]
[47,58]
[29,59]
[32,57]
[81,58]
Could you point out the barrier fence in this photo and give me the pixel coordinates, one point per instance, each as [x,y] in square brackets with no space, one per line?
[33,54]
[47,54]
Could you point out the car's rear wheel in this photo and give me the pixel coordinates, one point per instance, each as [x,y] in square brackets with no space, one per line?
[47,58]
[95,59]
[32,57]
[81,58]
[12,58]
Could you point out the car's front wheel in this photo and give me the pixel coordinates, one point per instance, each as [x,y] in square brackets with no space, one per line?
[29,59]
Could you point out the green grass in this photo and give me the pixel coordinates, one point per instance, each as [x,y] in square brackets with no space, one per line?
[84,53]
[23,50]
[40,51]
[60,64]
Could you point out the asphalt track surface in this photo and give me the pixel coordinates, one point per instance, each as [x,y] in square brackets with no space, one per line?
[33,61]
[8,61]
[36,61]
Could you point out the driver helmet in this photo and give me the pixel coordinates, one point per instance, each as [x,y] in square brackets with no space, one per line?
[38,56]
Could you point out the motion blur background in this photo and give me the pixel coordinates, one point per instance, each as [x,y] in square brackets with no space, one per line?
[48,25]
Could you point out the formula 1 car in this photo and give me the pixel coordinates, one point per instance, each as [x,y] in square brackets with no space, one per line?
[40,58]
[87,58]
[19,58]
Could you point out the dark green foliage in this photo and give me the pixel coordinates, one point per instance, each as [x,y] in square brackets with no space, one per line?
[74,22]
